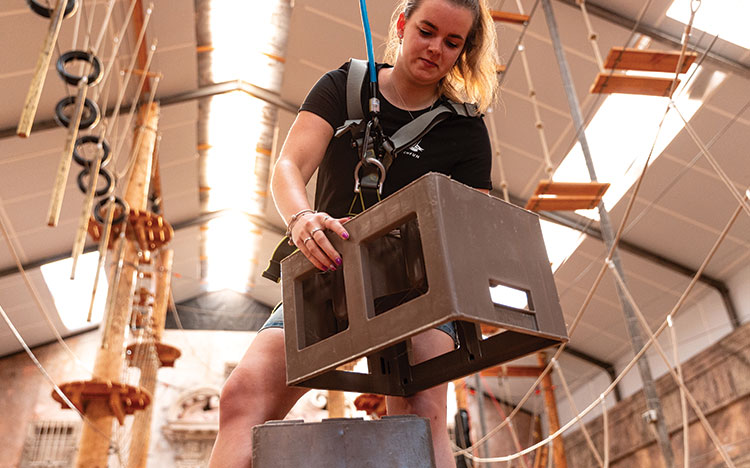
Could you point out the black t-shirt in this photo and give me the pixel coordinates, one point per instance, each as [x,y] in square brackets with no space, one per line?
[458,147]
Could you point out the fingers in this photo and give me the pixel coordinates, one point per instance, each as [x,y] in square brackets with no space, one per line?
[336,225]
[309,236]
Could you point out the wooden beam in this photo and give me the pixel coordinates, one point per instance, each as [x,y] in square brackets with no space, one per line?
[550,405]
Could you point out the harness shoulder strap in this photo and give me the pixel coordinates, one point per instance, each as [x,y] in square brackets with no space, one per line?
[354,80]
[412,132]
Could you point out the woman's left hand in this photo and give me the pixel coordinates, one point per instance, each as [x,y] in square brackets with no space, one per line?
[308,234]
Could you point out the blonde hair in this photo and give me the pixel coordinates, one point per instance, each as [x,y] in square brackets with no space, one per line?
[474,76]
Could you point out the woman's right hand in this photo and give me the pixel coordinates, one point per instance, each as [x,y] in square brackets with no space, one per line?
[308,234]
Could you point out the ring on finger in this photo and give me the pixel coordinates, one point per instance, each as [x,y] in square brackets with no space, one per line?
[308,239]
[312,233]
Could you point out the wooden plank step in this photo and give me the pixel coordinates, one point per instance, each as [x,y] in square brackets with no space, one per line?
[561,203]
[547,187]
[620,58]
[631,84]
[508,17]
[566,196]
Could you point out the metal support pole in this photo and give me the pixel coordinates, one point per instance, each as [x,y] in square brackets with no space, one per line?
[652,399]
[480,409]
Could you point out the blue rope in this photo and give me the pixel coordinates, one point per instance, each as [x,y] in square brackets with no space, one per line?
[368,40]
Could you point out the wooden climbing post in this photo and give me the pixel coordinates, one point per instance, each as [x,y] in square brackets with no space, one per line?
[94,446]
[142,423]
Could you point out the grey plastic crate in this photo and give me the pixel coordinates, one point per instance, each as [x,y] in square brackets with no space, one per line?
[424,256]
[393,442]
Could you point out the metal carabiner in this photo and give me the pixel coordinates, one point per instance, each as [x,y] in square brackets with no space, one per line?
[381,170]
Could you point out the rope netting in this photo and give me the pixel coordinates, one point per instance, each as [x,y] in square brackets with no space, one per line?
[685,395]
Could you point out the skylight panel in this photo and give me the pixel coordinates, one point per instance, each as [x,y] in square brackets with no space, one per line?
[73,297]
[242,35]
[560,242]
[725,18]
[623,130]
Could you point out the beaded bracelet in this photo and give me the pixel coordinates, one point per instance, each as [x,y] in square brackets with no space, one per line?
[294,219]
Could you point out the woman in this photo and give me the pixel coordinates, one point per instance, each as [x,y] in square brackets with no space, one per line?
[440,49]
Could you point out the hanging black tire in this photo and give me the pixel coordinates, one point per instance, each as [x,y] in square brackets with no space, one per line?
[106,190]
[90,116]
[124,210]
[42,10]
[93,78]
[87,139]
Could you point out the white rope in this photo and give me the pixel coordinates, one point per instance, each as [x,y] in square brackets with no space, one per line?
[683,401]
[573,406]
[134,152]
[117,41]
[694,6]
[511,426]
[538,123]
[76,25]
[46,374]
[693,403]
[129,71]
[37,299]
[712,161]
[593,36]
[112,288]
[134,103]
[105,25]
[627,368]
[498,154]
[605,430]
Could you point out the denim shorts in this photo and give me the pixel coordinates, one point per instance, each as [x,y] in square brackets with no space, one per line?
[276,320]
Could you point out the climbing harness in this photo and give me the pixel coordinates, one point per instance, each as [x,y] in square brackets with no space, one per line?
[375,149]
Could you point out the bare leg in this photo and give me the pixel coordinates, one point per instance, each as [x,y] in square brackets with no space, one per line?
[255,393]
[430,403]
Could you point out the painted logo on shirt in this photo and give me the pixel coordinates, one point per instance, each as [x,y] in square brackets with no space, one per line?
[415,150]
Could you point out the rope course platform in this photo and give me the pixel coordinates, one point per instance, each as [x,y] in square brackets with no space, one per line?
[122,399]
[150,230]
[620,58]
[508,17]
[167,354]
[566,196]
